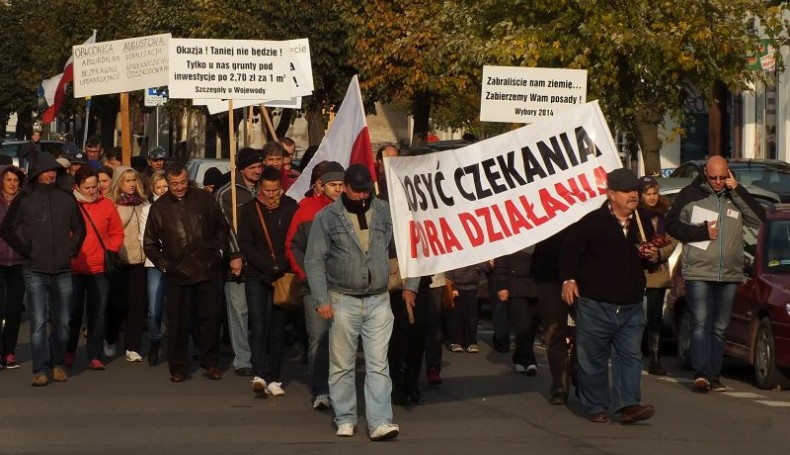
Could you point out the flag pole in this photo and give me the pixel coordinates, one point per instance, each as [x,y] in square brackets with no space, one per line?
[126,139]
[232,144]
[87,121]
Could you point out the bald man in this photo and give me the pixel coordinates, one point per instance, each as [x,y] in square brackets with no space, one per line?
[714,208]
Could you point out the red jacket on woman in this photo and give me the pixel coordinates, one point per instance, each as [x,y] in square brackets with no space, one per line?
[90,259]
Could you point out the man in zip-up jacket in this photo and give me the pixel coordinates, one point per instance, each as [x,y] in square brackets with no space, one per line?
[713,209]
[45,226]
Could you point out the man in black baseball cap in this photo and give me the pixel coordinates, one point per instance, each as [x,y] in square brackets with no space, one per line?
[358,177]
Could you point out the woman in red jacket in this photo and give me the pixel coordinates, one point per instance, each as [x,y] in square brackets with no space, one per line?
[90,285]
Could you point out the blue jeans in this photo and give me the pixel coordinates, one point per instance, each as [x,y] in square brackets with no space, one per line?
[317,348]
[91,292]
[238,316]
[371,318]
[709,304]
[49,297]
[606,330]
[156,302]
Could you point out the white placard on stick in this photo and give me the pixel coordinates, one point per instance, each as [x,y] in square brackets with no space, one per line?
[237,69]
[525,95]
[120,66]
[301,67]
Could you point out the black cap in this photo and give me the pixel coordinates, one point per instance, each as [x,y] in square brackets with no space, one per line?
[77,157]
[247,157]
[213,176]
[358,177]
[622,180]
[646,182]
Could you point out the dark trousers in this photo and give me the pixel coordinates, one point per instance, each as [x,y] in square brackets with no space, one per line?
[462,325]
[655,308]
[181,298]
[88,291]
[434,333]
[267,330]
[407,342]
[500,318]
[128,303]
[553,313]
[12,291]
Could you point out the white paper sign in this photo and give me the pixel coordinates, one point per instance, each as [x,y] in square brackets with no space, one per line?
[120,66]
[301,67]
[525,95]
[461,207]
[237,69]
[700,215]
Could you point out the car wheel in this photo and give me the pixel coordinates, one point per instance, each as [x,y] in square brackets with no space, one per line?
[766,373]
[683,343]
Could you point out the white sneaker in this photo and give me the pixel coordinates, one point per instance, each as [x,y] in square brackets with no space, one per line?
[345,430]
[132,356]
[519,368]
[275,389]
[322,402]
[385,431]
[109,349]
[259,387]
[532,370]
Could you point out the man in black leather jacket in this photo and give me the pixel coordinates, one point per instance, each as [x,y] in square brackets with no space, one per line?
[185,236]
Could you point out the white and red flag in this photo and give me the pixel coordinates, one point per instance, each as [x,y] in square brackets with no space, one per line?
[346,142]
[55,87]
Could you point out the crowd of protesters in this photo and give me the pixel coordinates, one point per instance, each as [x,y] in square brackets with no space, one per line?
[99,250]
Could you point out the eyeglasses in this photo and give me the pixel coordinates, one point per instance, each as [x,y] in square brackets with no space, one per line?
[717,177]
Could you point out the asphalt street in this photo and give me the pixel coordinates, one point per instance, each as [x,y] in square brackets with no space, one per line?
[482,407]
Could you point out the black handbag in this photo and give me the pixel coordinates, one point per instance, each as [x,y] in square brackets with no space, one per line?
[112,260]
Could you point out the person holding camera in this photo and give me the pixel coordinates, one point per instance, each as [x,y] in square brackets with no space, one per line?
[714,269]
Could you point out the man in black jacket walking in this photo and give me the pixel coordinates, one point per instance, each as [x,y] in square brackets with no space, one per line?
[602,272]
[45,226]
[185,236]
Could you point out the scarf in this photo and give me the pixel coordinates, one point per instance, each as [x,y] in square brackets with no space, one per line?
[82,198]
[129,199]
[359,208]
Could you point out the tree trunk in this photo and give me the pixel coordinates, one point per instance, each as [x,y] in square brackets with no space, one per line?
[24,124]
[716,114]
[647,126]
[4,115]
[315,125]
[421,111]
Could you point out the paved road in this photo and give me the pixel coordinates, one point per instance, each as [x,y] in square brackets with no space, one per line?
[482,407]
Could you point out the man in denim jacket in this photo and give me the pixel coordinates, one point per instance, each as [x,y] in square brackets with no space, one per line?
[347,267]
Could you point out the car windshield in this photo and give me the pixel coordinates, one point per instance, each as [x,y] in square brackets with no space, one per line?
[772,178]
[778,247]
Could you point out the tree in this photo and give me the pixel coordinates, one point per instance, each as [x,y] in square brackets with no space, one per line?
[643,57]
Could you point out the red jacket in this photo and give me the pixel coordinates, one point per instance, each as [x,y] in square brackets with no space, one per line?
[90,259]
[296,237]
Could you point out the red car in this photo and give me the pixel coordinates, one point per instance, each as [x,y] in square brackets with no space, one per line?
[759,330]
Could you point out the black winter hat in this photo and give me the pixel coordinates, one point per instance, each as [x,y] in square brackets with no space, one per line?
[213,176]
[247,157]
[622,180]
[358,177]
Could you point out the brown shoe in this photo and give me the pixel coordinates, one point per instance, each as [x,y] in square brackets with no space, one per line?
[59,374]
[177,377]
[214,373]
[635,412]
[40,380]
[598,417]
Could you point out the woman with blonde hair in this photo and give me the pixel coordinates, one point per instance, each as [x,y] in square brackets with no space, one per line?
[128,298]
[156,279]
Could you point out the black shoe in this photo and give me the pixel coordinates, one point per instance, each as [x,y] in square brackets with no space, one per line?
[717,386]
[153,353]
[244,371]
[655,367]
[558,397]
[413,393]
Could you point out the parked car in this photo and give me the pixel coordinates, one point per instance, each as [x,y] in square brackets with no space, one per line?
[771,175]
[759,330]
[12,148]
[197,168]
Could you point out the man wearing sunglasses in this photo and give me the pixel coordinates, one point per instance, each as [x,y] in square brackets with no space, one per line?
[708,216]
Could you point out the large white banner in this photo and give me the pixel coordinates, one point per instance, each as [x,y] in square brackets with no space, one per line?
[465,206]
[516,94]
[237,69]
[120,66]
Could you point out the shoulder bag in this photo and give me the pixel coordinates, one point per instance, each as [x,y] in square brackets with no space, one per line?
[288,288]
[112,260]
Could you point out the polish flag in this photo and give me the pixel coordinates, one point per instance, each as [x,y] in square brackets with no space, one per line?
[346,142]
[55,87]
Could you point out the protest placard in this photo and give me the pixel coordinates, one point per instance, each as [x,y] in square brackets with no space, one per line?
[301,67]
[236,69]
[461,207]
[525,95]
[120,66]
